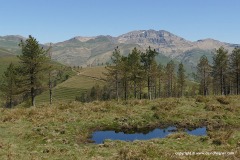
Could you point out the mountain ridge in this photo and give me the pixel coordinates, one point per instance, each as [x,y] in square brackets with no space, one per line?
[96,50]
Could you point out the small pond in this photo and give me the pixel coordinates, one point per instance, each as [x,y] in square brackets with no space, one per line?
[99,136]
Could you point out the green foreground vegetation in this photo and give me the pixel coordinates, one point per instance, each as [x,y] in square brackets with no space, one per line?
[63,130]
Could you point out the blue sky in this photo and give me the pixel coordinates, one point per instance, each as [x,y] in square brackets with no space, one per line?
[59,20]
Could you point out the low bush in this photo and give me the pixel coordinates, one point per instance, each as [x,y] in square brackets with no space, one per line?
[223,100]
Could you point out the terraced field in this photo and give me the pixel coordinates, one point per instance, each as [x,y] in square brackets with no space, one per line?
[68,90]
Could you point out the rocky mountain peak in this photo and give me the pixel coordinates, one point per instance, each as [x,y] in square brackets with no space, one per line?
[83,39]
[160,37]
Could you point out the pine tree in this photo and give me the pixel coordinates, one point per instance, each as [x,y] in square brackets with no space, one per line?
[220,70]
[204,75]
[136,72]
[34,63]
[170,76]
[160,75]
[153,80]
[235,69]
[9,85]
[181,78]
[94,93]
[113,71]
[105,93]
[124,73]
[147,60]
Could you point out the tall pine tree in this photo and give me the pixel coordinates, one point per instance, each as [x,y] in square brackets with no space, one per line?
[147,60]
[204,75]
[113,71]
[9,85]
[34,63]
[160,78]
[220,71]
[135,69]
[235,69]
[170,76]
[181,78]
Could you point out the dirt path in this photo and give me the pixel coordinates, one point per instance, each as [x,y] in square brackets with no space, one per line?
[95,78]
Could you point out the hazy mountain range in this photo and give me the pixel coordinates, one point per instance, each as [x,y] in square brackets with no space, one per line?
[82,51]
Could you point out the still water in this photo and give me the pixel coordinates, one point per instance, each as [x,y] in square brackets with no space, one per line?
[99,136]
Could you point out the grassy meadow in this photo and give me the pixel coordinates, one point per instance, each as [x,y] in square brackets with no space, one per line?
[63,130]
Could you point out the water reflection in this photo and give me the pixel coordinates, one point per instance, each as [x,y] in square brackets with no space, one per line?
[99,136]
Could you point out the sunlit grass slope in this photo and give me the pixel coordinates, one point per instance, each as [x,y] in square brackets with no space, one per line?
[5,61]
[93,71]
[68,90]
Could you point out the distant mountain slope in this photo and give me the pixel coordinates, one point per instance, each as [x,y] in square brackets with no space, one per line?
[11,42]
[4,52]
[83,51]
[168,43]
[88,51]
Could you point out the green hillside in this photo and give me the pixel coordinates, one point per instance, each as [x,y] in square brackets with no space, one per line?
[193,56]
[4,52]
[5,61]
[96,72]
[68,90]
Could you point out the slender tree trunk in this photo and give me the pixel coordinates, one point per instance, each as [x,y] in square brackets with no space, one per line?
[50,94]
[125,90]
[155,90]
[181,90]
[237,83]
[11,96]
[204,83]
[50,88]
[117,95]
[159,88]
[140,89]
[135,89]
[171,86]
[32,97]
[222,90]
[32,89]
[149,89]
[10,102]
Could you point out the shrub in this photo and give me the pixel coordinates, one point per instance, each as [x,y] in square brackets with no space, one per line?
[217,142]
[223,100]
[201,99]
[212,107]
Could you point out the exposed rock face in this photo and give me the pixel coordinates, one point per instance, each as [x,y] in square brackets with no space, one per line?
[168,43]
[81,51]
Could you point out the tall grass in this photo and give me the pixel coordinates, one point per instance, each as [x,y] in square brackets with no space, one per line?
[63,130]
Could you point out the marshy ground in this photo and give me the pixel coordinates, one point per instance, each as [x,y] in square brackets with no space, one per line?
[63,130]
